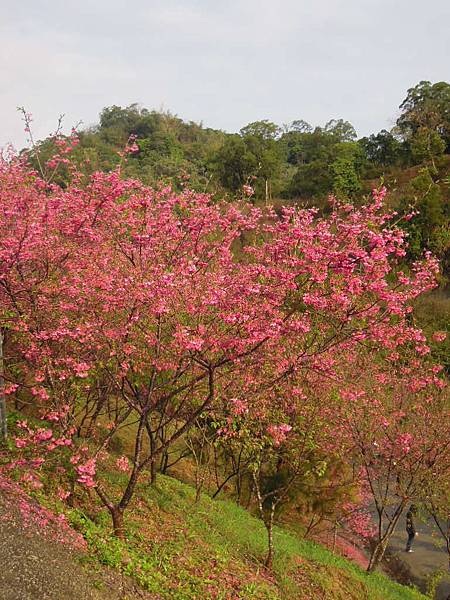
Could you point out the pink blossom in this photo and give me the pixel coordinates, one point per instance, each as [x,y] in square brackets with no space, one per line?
[132,148]
[248,190]
[43,435]
[10,388]
[439,336]
[239,406]
[123,464]
[86,473]
[404,441]
[75,459]
[40,392]
[63,494]
[82,369]
[278,433]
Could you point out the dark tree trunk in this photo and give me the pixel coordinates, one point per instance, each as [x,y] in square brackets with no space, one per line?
[164,462]
[382,542]
[377,555]
[198,492]
[3,414]
[118,523]
[152,471]
[100,404]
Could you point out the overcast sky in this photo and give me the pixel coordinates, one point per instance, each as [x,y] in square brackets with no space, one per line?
[223,63]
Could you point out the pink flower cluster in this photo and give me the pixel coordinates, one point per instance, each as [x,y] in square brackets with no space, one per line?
[404,442]
[439,336]
[248,190]
[278,433]
[123,464]
[86,473]
[239,407]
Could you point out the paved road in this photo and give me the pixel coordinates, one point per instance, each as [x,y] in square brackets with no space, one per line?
[427,557]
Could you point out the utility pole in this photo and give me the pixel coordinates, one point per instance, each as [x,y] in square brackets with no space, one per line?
[3,421]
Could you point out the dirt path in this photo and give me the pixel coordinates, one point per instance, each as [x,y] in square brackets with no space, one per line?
[36,567]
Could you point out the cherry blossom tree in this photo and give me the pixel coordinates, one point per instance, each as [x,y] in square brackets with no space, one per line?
[396,415]
[3,415]
[138,308]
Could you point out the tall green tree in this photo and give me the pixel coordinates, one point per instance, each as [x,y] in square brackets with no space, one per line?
[234,163]
[430,228]
[340,129]
[345,169]
[260,139]
[426,106]
[311,180]
[383,148]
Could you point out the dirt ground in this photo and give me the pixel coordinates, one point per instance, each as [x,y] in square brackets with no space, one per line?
[34,567]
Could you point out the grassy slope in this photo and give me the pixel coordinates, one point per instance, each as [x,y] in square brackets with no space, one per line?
[180,550]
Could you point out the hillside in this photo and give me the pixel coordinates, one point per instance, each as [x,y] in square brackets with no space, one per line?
[177,550]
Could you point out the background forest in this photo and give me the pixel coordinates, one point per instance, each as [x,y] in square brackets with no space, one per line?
[292,163]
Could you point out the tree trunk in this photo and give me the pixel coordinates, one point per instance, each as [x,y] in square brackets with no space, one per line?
[239,486]
[3,414]
[268,521]
[118,524]
[220,486]
[152,471]
[381,545]
[198,491]
[335,530]
[269,527]
[152,442]
[164,462]
[377,555]
[90,428]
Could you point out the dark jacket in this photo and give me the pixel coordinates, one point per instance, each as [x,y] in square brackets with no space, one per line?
[410,526]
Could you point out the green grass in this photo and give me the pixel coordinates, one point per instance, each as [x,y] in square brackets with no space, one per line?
[210,550]
[214,550]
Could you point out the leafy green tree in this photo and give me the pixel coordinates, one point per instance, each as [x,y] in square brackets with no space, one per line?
[264,129]
[298,126]
[383,148]
[311,180]
[430,228]
[293,147]
[260,139]
[341,130]
[302,147]
[234,163]
[117,123]
[426,144]
[346,182]
[426,106]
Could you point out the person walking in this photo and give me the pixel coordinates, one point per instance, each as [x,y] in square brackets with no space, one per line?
[410,527]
